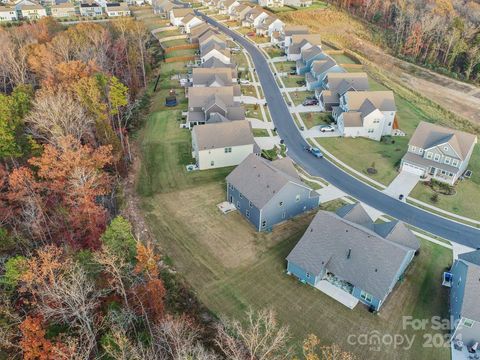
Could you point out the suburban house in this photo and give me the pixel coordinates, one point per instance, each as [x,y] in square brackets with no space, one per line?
[348,252]
[208,105]
[368,114]
[177,14]
[464,297]
[90,9]
[298,3]
[8,13]
[300,42]
[33,12]
[438,152]
[190,21]
[162,8]
[239,12]
[290,30]
[225,7]
[209,37]
[254,17]
[269,192]
[213,62]
[337,84]
[117,9]
[196,32]
[222,144]
[63,10]
[307,57]
[214,77]
[271,3]
[269,25]
[215,50]
[319,70]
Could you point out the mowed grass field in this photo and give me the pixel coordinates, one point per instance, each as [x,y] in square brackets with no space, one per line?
[232,268]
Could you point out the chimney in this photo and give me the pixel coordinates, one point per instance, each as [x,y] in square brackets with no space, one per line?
[349,253]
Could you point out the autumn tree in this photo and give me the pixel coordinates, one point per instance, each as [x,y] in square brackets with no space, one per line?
[261,337]
[56,198]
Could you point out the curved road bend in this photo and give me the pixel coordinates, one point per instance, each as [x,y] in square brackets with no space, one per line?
[456,232]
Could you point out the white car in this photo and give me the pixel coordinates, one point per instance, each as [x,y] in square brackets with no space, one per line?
[327,128]
[244,82]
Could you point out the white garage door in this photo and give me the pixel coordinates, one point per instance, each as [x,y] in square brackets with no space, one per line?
[413,169]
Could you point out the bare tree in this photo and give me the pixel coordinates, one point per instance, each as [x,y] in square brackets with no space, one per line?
[261,338]
[57,115]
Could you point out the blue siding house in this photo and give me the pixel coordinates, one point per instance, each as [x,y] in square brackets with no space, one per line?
[308,56]
[347,250]
[464,298]
[269,192]
[319,70]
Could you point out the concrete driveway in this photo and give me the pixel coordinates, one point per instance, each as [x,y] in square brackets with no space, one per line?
[402,184]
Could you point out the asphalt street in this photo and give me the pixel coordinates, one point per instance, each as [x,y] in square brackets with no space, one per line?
[296,144]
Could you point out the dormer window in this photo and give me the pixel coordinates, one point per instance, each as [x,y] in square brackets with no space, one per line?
[445,148]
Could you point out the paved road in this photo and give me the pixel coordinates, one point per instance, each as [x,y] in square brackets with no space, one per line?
[287,130]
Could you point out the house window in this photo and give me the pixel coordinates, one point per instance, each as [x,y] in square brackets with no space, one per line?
[436,157]
[212,163]
[468,323]
[448,160]
[264,223]
[240,196]
[420,151]
[307,275]
[414,148]
[247,213]
[280,203]
[238,205]
[366,296]
[284,215]
[429,155]
[455,162]
[228,150]
[390,123]
[445,148]
[297,198]
[250,204]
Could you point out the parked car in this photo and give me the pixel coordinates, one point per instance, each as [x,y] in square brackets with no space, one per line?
[310,102]
[315,152]
[244,82]
[293,72]
[327,128]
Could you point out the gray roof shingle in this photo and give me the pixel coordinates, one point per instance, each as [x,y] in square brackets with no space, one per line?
[374,261]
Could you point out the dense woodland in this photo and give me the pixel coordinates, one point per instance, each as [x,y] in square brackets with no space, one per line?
[441,34]
[75,283]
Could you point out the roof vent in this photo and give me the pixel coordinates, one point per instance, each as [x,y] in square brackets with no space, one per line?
[376,270]
[349,253]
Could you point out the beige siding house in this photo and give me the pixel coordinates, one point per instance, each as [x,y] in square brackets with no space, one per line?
[222,144]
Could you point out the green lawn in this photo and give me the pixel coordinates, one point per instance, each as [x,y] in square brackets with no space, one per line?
[176,42]
[274,51]
[260,132]
[285,66]
[248,90]
[253,111]
[163,34]
[240,59]
[291,81]
[185,52]
[313,119]
[299,96]
[363,153]
[344,59]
